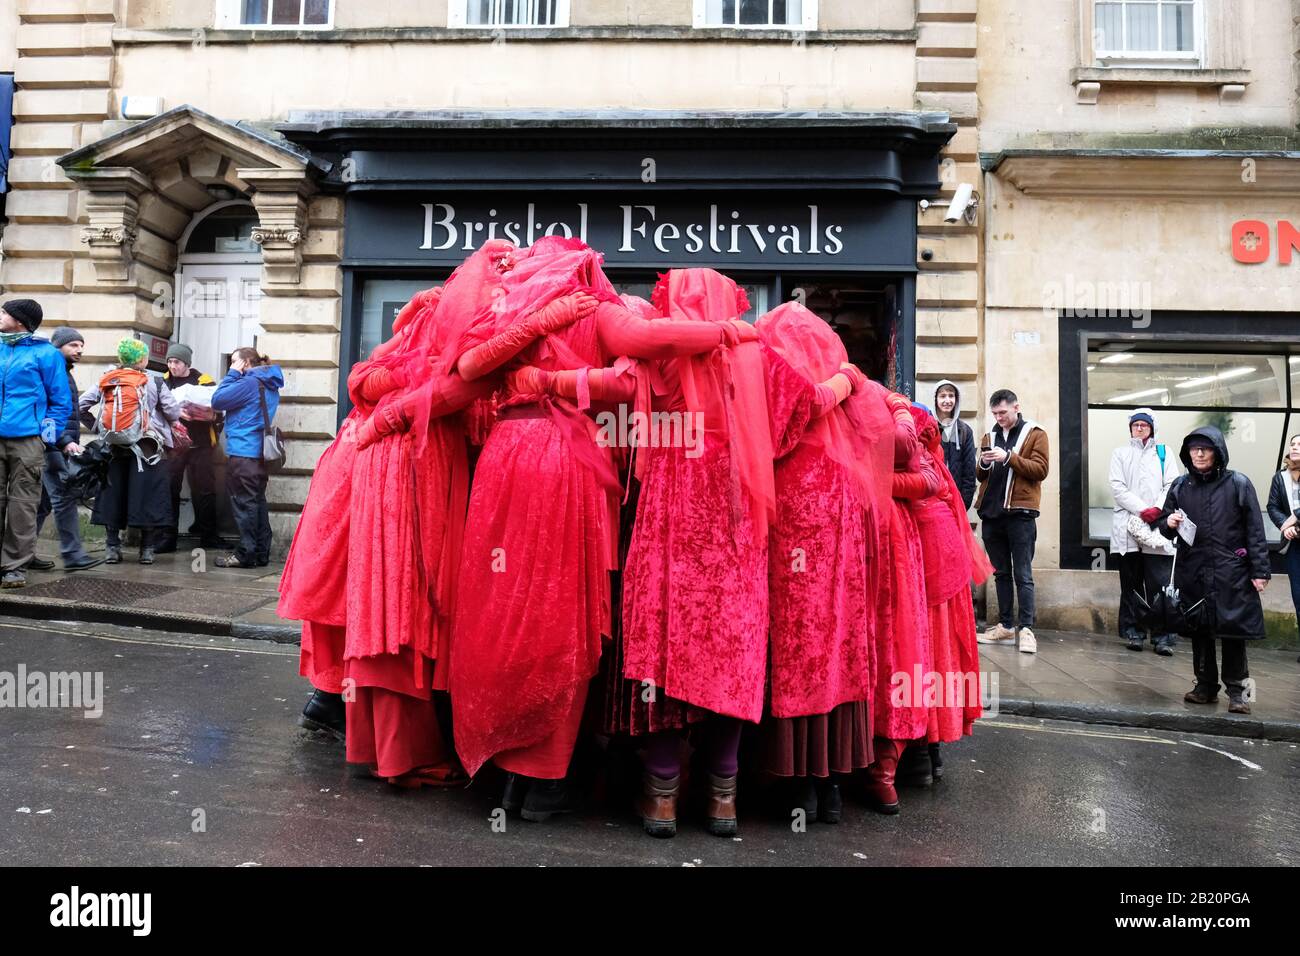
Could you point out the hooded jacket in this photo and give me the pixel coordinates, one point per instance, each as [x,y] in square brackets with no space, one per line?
[958,446]
[33,387]
[239,396]
[1139,479]
[1229,548]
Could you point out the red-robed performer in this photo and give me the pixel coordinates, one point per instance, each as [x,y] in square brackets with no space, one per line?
[313,586]
[535,585]
[903,644]
[953,559]
[695,614]
[831,493]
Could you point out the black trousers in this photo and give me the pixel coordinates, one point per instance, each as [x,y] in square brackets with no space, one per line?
[1010,541]
[1207,669]
[246,485]
[1140,575]
[197,462]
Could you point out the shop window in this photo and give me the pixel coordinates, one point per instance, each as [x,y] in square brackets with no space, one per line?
[381,300]
[509,13]
[1130,32]
[276,14]
[788,14]
[1253,398]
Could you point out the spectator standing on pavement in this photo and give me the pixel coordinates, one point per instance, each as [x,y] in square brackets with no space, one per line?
[1225,564]
[1012,463]
[137,494]
[34,405]
[957,438]
[251,385]
[1284,509]
[55,499]
[1141,472]
[196,460]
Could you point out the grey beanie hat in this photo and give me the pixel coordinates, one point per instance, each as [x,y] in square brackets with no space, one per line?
[64,335]
[178,350]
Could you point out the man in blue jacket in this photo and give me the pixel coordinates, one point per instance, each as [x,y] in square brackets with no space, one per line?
[34,399]
[250,381]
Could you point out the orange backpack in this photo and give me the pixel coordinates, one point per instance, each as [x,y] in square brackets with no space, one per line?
[124,415]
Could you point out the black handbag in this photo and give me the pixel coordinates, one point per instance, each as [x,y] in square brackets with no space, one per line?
[87,473]
[273,450]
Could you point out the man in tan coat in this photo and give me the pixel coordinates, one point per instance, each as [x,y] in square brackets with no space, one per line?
[1011,467]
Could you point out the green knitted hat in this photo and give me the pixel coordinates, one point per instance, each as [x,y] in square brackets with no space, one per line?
[130,351]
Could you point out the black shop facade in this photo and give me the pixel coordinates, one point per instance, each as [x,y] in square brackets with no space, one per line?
[819,209]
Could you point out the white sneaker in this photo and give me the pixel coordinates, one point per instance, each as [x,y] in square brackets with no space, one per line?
[997,634]
[1028,643]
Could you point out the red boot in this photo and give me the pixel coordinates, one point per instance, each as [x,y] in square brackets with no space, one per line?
[880,793]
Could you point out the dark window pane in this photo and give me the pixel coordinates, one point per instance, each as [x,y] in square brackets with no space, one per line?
[226,230]
[286,12]
[316,11]
[254,12]
[754,11]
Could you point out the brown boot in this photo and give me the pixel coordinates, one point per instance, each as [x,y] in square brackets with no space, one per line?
[880,793]
[722,805]
[657,805]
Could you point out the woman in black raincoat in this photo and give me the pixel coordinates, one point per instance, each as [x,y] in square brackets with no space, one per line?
[1226,564]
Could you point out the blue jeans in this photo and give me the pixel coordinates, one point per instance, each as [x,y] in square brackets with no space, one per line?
[1010,541]
[63,506]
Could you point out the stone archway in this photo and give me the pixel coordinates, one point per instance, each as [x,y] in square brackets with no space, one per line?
[141,188]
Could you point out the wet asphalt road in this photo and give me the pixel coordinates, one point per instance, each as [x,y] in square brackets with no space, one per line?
[201,729]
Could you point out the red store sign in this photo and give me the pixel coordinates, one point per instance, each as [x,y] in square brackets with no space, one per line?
[1252,241]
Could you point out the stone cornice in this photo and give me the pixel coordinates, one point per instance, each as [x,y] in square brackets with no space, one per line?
[1149,173]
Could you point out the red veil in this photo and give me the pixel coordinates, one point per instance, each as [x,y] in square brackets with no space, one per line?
[858,434]
[728,386]
[980,567]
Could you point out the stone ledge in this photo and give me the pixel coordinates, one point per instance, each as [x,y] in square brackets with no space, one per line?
[130,37]
[1088,81]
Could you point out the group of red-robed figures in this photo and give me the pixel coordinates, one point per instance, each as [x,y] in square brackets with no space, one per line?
[778,543]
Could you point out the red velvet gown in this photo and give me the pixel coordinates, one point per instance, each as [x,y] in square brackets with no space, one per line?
[534,597]
[903,647]
[695,590]
[824,564]
[312,590]
[952,560]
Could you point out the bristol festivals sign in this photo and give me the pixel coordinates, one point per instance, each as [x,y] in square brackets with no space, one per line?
[794,232]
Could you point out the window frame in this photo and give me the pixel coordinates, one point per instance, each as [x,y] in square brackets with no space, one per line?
[1265,333]
[230,17]
[1193,59]
[700,13]
[458,17]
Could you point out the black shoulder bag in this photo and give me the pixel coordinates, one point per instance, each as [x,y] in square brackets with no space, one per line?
[273,450]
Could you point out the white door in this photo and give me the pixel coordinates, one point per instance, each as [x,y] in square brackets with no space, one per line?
[216,311]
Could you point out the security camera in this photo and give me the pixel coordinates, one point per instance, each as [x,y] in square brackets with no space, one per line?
[963,204]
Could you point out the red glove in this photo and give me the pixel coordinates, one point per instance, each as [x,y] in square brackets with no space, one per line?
[528,380]
[387,420]
[1149,514]
[855,376]
[378,384]
[737,332]
[562,312]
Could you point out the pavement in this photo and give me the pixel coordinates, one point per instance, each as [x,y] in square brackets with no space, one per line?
[182,591]
[1074,676]
[195,759]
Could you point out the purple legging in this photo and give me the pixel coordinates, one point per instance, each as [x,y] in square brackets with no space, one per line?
[662,751]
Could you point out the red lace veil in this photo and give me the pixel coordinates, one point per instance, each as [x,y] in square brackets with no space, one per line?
[857,435]
[928,435]
[728,386]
